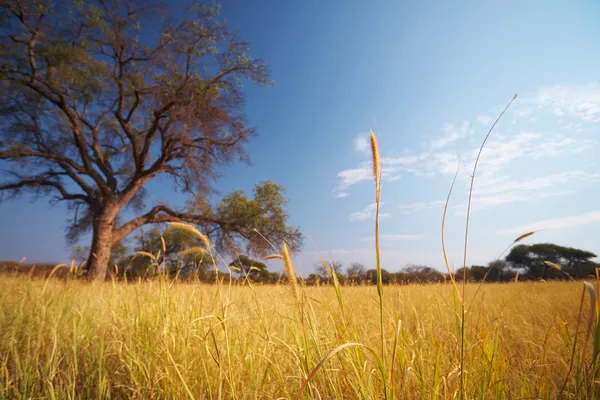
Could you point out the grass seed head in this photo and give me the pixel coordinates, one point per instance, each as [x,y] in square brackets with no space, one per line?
[191,229]
[376,162]
[553,265]
[289,270]
[525,235]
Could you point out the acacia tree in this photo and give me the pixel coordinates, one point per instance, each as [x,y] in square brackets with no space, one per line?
[100,97]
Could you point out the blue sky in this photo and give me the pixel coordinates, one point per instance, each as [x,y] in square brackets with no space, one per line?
[428,78]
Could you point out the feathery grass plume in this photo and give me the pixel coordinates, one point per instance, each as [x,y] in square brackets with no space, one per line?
[145,253]
[517,277]
[191,229]
[377,179]
[290,271]
[523,236]
[553,265]
[192,250]
[376,163]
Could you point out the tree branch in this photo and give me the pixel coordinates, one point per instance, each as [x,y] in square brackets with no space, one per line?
[39,182]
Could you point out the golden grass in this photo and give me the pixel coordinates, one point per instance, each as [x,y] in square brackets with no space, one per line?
[70,339]
[154,340]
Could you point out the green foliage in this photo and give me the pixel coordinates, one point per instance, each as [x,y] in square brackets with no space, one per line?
[175,241]
[251,218]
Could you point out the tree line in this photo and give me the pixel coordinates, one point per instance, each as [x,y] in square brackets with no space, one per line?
[529,262]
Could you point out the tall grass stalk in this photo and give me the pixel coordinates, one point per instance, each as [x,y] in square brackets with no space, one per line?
[462,333]
[377,179]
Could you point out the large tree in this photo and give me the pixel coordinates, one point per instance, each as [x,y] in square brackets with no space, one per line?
[99,97]
[532,257]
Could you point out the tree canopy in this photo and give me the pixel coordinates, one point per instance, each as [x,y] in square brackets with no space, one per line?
[98,98]
[532,257]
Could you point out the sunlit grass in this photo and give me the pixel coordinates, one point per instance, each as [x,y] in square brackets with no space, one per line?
[155,340]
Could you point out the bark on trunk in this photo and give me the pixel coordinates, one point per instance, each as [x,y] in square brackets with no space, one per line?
[102,241]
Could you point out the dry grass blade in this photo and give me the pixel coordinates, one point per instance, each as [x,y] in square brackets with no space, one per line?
[50,276]
[396,336]
[145,253]
[274,257]
[192,250]
[187,388]
[323,361]
[592,314]
[462,346]
[575,336]
[450,273]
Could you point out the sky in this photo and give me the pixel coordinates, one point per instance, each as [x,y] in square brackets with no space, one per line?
[429,78]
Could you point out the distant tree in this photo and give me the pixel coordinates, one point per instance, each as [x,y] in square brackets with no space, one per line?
[320,268]
[99,98]
[532,257]
[355,270]
[421,269]
[168,245]
[419,273]
[250,267]
[371,276]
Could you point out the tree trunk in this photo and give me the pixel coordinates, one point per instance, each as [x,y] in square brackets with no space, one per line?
[102,241]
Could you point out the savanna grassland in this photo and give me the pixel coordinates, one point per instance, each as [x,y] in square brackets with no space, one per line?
[65,339]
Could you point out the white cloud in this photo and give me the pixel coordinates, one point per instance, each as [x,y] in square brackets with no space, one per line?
[367,213]
[350,177]
[420,206]
[395,237]
[452,134]
[592,217]
[399,161]
[484,119]
[390,172]
[504,185]
[362,143]
[496,166]
[579,101]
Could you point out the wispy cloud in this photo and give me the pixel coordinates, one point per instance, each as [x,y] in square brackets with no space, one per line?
[579,101]
[361,143]
[368,213]
[507,146]
[484,119]
[452,133]
[395,237]
[592,217]
[420,206]
[503,185]
[350,177]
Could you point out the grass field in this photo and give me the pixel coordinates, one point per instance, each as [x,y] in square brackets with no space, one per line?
[68,339]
